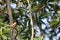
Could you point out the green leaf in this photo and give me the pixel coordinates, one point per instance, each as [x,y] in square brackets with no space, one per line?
[6,30]
[35,8]
[4,37]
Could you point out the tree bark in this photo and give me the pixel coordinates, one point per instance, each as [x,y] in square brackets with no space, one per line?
[9,12]
[31,21]
[13,37]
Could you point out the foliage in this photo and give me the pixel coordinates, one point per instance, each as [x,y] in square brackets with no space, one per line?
[40,9]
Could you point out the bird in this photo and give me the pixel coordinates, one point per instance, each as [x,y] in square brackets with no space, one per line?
[13,25]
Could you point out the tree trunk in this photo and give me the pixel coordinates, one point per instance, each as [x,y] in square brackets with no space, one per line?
[9,12]
[11,20]
[29,7]
[31,21]
[32,27]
